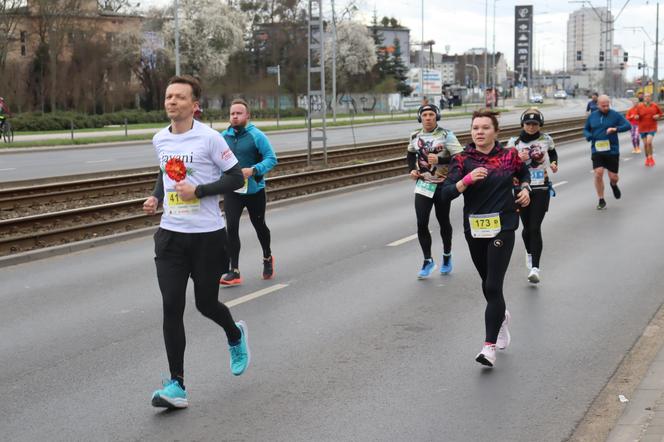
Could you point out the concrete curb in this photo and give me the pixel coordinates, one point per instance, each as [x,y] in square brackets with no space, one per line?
[605,411]
[34,255]
[129,143]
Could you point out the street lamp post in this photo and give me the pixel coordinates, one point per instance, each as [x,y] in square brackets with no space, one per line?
[177,40]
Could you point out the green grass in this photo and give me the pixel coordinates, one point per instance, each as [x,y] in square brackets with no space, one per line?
[143,137]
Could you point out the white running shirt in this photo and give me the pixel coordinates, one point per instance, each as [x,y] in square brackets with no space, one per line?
[206,156]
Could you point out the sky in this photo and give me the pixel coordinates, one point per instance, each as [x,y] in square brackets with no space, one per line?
[461,25]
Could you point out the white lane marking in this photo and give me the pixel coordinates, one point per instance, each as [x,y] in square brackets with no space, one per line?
[402,241]
[626,159]
[9,168]
[561,183]
[98,161]
[254,295]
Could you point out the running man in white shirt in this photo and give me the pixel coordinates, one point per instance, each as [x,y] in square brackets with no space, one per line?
[196,166]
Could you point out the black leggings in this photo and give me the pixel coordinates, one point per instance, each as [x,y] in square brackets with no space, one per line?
[423,207]
[178,257]
[234,204]
[491,257]
[532,217]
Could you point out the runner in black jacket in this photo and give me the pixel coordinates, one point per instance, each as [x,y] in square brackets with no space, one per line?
[485,172]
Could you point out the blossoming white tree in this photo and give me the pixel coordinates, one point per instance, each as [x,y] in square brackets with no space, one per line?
[356,51]
[210,31]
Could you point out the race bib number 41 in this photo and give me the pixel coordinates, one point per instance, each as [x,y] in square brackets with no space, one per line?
[484,226]
[602,146]
[177,206]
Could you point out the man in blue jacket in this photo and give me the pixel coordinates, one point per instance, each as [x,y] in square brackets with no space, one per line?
[602,128]
[256,156]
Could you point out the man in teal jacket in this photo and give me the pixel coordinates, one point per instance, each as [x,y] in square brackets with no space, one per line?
[601,129]
[256,156]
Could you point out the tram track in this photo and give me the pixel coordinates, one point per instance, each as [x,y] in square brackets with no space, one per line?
[61,211]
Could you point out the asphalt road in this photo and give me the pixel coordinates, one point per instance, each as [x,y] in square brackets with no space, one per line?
[349,346]
[42,163]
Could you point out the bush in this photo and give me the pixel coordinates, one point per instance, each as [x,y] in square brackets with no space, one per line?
[36,122]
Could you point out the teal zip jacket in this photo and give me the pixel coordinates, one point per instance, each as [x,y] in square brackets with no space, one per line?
[252,149]
[597,124]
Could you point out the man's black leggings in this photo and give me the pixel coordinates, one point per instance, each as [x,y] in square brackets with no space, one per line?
[491,257]
[180,256]
[423,207]
[532,216]
[234,204]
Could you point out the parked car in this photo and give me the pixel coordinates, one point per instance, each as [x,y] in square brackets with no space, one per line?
[536,98]
[629,93]
[560,94]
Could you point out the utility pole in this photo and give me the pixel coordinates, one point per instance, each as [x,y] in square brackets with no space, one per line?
[655,78]
[493,61]
[486,44]
[177,40]
[422,57]
[334,64]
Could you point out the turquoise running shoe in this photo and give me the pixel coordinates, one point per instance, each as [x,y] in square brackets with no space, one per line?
[240,355]
[171,396]
[427,267]
[446,268]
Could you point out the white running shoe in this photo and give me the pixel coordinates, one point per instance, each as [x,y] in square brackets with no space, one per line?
[529,261]
[504,337]
[487,356]
[533,276]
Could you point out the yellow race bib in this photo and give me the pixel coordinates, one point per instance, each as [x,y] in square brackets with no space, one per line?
[484,226]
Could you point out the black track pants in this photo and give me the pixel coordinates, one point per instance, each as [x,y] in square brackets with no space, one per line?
[491,257]
[234,204]
[532,217]
[178,257]
[423,207]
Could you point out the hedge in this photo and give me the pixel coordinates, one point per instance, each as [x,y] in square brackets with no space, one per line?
[35,122]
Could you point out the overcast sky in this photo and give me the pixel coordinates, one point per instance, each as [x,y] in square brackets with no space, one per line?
[460,24]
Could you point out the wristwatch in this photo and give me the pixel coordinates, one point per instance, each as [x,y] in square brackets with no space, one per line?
[526,186]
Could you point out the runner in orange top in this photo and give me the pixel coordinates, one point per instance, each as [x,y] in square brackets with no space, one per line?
[647,114]
[630,115]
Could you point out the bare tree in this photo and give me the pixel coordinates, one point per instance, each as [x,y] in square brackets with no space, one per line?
[56,20]
[117,5]
[8,19]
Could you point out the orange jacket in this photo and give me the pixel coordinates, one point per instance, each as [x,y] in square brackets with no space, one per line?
[646,121]
[631,113]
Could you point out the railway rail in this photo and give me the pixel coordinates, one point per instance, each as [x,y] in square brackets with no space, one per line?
[51,212]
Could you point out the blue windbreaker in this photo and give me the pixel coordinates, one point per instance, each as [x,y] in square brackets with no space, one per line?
[252,149]
[597,124]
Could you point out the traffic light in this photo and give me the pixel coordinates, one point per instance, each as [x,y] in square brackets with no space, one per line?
[640,65]
[583,67]
[601,66]
[578,56]
[625,57]
[601,55]
[622,66]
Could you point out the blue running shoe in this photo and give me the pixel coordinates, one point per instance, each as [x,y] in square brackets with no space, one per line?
[427,267]
[446,269]
[240,355]
[171,396]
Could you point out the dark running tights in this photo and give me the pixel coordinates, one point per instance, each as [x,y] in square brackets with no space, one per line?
[423,207]
[491,257]
[180,256]
[532,217]
[234,204]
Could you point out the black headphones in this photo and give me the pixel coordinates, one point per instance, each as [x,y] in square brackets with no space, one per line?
[428,107]
[532,114]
